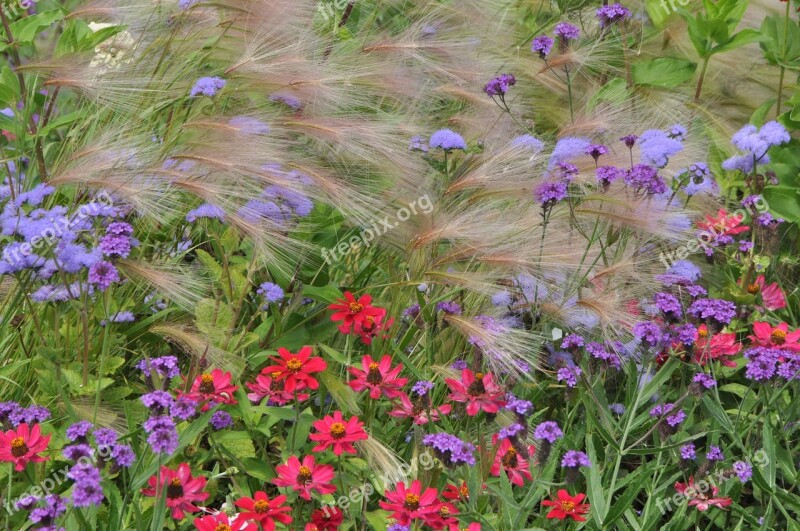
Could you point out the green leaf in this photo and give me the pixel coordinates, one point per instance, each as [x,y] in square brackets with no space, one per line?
[663,72]
[759,116]
[781,45]
[61,122]
[326,294]
[769,447]
[210,263]
[594,485]
[9,87]
[743,38]
[26,29]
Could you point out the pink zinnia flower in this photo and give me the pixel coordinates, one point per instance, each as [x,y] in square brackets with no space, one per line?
[507,459]
[723,224]
[478,391]
[22,446]
[699,499]
[765,335]
[182,489]
[378,377]
[268,386]
[221,522]
[295,369]
[212,387]
[772,296]
[411,503]
[420,411]
[305,477]
[264,511]
[335,431]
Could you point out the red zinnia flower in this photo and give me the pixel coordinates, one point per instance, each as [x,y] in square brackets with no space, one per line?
[444,517]
[267,386]
[419,411]
[699,499]
[723,224]
[478,390]
[305,477]
[765,335]
[720,347]
[182,490]
[295,369]
[410,503]
[334,431]
[22,446]
[515,466]
[265,511]
[326,519]
[212,387]
[567,506]
[352,312]
[221,522]
[452,492]
[378,378]
[371,326]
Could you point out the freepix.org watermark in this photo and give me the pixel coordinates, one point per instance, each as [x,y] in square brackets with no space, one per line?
[705,238]
[760,459]
[11,8]
[425,461]
[378,228]
[52,233]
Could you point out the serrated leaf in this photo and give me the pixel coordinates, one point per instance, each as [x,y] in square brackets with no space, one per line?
[212,267]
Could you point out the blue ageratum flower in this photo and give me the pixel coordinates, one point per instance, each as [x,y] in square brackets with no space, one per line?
[207,86]
[447,140]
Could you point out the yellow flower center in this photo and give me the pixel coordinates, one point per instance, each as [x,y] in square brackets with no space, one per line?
[206,384]
[337,430]
[778,337]
[304,474]
[18,447]
[702,332]
[174,489]
[373,366]
[261,506]
[294,364]
[223,527]
[464,490]
[412,502]
[444,512]
[752,289]
[355,307]
[567,506]
[479,376]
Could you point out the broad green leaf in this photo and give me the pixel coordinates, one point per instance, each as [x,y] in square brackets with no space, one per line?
[26,29]
[744,37]
[663,72]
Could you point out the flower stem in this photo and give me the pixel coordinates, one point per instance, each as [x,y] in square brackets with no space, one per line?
[702,77]
[569,94]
